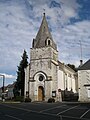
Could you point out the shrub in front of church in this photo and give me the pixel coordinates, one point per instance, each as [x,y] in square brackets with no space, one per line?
[19,98]
[27,99]
[51,100]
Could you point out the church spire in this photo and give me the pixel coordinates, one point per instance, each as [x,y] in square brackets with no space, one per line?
[44,37]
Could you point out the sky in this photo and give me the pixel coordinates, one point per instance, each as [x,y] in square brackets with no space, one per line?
[68,21]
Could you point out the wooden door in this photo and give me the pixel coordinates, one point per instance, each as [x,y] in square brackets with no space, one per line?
[40,93]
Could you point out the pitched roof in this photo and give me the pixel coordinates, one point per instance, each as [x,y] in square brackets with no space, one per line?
[43,34]
[85,66]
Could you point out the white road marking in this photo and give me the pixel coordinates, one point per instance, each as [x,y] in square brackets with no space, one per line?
[73,117]
[85,113]
[47,110]
[51,108]
[13,117]
[17,108]
[68,109]
[47,114]
[30,110]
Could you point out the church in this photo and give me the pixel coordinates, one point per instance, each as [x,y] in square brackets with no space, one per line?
[46,77]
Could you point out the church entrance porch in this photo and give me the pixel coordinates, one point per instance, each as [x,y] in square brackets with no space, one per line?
[40,93]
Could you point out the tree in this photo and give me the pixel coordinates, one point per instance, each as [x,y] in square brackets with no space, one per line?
[72,66]
[20,81]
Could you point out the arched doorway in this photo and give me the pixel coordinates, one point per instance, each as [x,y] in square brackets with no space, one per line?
[40,93]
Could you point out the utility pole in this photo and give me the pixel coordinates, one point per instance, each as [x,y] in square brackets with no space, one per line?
[81,61]
[81,49]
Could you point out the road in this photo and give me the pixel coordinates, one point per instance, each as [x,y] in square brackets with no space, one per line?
[44,111]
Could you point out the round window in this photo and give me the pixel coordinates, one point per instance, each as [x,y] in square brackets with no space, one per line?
[41,78]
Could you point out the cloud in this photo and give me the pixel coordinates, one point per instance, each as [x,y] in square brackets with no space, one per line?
[19,24]
[8,76]
[9,79]
[15,34]
[58,10]
[69,42]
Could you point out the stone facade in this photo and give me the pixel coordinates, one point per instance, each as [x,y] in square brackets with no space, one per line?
[84,85]
[43,63]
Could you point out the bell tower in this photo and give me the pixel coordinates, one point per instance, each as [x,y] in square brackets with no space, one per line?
[43,65]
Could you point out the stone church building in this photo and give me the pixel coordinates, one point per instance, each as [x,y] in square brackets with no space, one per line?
[46,76]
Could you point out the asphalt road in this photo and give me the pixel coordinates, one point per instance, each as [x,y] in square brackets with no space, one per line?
[44,111]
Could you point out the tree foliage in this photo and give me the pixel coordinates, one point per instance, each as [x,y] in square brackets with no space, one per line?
[72,66]
[20,81]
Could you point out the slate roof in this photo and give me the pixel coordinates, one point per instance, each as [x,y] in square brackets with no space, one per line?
[42,35]
[85,66]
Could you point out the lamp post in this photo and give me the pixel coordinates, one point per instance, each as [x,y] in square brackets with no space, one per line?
[3,86]
[3,81]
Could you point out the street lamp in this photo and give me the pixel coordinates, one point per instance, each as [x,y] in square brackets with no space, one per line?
[3,85]
[3,81]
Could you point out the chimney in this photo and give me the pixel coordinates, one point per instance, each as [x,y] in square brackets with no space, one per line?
[81,62]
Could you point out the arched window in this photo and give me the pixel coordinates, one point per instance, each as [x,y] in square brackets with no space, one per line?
[48,42]
[41,78]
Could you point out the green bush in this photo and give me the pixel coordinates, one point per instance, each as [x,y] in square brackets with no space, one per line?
[27,99]
[19,98]
[51,100]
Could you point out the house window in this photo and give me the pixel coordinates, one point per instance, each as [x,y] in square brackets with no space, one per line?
[88,93]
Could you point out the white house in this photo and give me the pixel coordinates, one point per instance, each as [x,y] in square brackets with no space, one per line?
[84,82]
[46,76]
[10,88]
